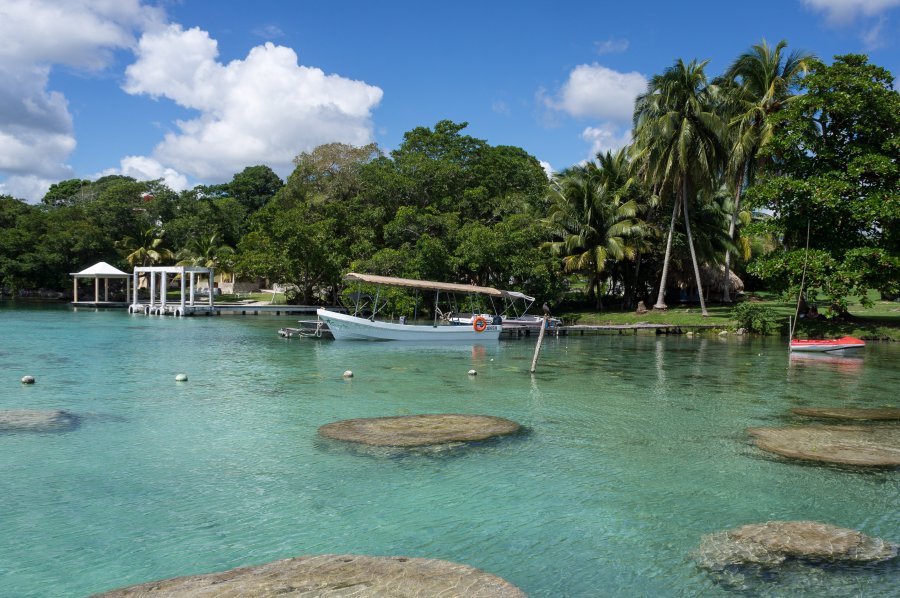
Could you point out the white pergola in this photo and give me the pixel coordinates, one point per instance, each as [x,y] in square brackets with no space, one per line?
[188,276]
[98,271]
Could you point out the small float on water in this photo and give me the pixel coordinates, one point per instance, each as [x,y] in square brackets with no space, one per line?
[846,343]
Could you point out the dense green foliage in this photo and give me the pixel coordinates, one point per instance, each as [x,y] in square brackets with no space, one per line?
[836,151]
[798,140]
[755,318]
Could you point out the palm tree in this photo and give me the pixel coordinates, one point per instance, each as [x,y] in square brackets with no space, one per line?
[759,84]
[677,132]
[145,248]
[593,219]
[207,252]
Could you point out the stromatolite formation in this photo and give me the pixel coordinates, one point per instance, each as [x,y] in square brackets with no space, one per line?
[419,430]
[863,446]
[335,576]
[28,420]
[877,414]
[771,544]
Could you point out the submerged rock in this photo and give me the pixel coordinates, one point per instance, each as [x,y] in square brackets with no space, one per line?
[864,446]
[880,414]
[27,420]
[771,544]
[419,430]
[335,575]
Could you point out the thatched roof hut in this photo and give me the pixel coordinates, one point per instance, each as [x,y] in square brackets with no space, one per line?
[713,278]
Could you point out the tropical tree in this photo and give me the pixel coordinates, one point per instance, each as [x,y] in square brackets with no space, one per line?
[145,248]
[678,135]
[592,218]
[757,85]
[206,252]
[837,184]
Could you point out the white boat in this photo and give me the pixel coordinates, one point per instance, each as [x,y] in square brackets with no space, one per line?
[347,327]
[356,327]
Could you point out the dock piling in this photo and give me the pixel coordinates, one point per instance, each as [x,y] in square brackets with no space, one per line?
[537,348]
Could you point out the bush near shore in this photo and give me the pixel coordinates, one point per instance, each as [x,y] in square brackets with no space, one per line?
[879,322]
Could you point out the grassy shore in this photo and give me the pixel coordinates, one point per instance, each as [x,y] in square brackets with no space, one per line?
[880,322]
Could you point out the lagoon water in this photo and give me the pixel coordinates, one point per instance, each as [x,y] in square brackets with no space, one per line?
[635,449]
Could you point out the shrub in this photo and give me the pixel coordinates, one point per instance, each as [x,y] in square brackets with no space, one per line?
[755,318]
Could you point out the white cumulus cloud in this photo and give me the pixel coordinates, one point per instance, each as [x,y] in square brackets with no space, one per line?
[145,168]
[606,137]
[266,108]
[847,10]
[868,16]
[36,129]
[593,90]
[30,187]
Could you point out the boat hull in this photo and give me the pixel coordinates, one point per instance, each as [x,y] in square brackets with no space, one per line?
[347,327]
[829,345]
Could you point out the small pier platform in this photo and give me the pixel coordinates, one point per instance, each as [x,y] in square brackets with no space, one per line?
[237,309]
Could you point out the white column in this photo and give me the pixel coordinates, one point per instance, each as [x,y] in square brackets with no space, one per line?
[96,289]
[191,274]
[152,288]
[162,290]
[75,288]
[134,275]
[182,290]
[211,278]
[106,289]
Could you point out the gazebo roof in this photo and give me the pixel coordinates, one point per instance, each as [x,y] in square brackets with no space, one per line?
[101,269]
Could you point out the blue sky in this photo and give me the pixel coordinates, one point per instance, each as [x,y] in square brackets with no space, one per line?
[193,91]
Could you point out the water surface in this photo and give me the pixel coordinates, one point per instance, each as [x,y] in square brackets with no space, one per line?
[636,448]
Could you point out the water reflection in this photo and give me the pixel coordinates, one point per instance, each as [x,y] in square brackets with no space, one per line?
[843,363]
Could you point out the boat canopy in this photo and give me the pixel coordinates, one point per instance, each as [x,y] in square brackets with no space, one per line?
[425,285]
[517,295]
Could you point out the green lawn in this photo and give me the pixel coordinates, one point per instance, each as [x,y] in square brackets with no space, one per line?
[881,321]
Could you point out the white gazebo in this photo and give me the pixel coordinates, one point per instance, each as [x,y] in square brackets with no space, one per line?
[188,276]
[99,271]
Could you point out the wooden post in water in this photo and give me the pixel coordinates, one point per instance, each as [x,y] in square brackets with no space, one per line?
[537,348]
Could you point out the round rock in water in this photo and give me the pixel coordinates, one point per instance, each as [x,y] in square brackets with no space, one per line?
[864,446]
[181,377]
[771,544]
[27,420]
[878,414]
[419,430]
[27,379]
[335,575]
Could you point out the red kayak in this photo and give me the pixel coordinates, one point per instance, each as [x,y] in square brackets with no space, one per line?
[823,345]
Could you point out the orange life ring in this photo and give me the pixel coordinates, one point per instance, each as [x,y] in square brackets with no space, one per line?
[479,324]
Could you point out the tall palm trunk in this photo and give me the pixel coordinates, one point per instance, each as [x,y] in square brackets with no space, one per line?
[726,295]
[660,298]
[687,225]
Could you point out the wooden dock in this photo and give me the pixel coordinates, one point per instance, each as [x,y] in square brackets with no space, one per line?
[238,309]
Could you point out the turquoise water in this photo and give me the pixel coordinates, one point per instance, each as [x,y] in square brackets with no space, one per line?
[636,448]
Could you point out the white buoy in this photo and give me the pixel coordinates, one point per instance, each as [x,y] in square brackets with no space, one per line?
[27,379]
[181,378]
[348,374]
[473,373]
